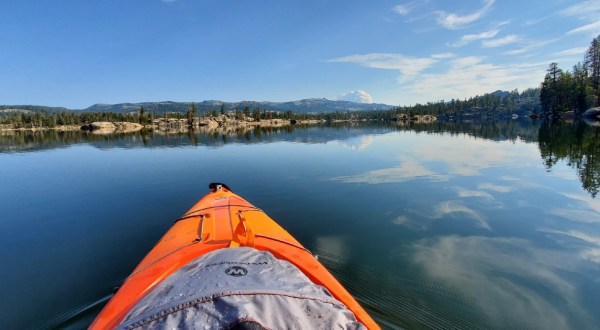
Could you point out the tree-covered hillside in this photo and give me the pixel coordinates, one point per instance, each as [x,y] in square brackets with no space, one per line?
[498,104]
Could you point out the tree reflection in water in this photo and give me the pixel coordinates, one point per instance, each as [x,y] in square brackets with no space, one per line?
[577,144]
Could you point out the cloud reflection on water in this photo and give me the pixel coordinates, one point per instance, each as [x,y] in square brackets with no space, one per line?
[356,143]
[421,157]
[590,250]
[407,170]
[463,193]
[494,187]
[457,209]
[450,209]
[498,273]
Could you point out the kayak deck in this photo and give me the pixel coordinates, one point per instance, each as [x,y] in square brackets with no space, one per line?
[219,220]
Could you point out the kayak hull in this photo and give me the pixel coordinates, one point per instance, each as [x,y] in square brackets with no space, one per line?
[219,220]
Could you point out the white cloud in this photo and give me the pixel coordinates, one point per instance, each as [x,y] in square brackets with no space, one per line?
[509,39]
[442,56]
[357,96]
[572,51]
[454,21]
[470,76]
[468,38]
[446,76]
[405,9]
[592,27]
[402,10]
[531,45]
[465,62]
[407,65]
[517,51]
[583,9]
[535,21]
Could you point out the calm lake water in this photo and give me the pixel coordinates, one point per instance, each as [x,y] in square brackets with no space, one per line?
[448,225]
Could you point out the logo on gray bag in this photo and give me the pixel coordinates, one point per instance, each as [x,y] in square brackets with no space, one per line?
[236,271]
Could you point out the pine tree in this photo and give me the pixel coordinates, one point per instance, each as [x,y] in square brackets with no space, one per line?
[142,116]
[191,113]
[592,65]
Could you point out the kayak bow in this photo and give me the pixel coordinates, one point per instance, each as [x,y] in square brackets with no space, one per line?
[223,222]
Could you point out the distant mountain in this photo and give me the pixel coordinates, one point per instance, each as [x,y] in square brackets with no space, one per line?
[500,93]
[300,106]
[6,109]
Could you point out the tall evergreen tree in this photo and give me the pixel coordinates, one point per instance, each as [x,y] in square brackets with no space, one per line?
[142,116]
[191,113]
[592,65]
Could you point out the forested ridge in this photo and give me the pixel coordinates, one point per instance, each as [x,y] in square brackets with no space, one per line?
[499,104]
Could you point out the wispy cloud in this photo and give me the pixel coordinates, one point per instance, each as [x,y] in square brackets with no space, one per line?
[592,27]
[407,65]
[535,21]
[509,39]
[407,8]
[401,10]
[583,9]
[443,56]
[571,51]
[468,38]
[455,21]
[470,76]
[530,45]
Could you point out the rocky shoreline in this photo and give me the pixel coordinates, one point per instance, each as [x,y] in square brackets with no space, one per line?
[224,122]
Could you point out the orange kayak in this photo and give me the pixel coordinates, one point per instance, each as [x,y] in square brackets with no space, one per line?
[224,223]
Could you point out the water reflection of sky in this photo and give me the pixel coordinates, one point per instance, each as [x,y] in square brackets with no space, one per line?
[532,254]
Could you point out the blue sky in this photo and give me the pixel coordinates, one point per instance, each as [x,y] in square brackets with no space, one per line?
[77,53]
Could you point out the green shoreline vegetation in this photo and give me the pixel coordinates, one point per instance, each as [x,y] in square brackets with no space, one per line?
[562,94]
